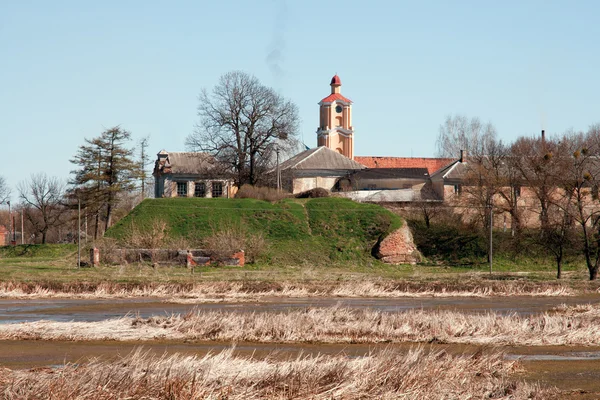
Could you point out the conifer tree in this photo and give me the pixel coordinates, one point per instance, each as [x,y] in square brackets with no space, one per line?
[106,169]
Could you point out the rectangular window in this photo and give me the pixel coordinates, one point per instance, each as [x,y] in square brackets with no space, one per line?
[181,189]
[200,189]
[517,191]
[217,189]
[457,189]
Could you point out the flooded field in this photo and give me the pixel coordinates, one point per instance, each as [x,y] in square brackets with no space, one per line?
[567,368]
[575,370]
[17,310]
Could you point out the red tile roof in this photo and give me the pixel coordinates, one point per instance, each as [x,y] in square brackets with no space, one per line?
[432,164]
[336,96]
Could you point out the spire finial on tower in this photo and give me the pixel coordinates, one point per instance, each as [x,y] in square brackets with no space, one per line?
[336,81]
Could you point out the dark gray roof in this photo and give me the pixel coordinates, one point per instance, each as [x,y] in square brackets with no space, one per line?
[188,163]
[393,173]
[453,171]
[320,158]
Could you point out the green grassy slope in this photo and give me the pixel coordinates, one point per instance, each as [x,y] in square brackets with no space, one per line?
[315,230]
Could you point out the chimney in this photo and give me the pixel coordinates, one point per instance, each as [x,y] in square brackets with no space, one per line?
[463,156]
[543,136]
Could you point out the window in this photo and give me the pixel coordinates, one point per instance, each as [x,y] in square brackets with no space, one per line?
[595,192]
[457,189]
[217,189]
[181,189]
[517,191]
[200,189]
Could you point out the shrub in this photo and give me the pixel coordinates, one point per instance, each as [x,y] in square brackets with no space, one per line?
[448,242]
[260,193]
[152,238]
[231,238]
[110,252]
[313,193]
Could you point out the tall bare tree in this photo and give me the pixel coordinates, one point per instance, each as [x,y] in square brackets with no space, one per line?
[580,178]
[241,124]
[539,163]
[485,180]
[461,133]
[4,191]
[42,198]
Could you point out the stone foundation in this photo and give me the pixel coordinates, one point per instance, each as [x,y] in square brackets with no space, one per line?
[397,248]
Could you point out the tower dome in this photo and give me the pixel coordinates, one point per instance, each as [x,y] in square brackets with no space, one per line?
[336,81]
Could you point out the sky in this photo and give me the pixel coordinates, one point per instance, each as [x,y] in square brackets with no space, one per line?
[70,69]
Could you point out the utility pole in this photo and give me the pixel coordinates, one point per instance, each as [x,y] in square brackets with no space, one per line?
[9,221]
[491,230]
[22,230]
[278,172]
[78,231]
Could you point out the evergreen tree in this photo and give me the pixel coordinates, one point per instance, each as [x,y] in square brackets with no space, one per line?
[106,169]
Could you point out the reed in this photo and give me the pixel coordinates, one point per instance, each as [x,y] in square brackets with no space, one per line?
[385,375]
[256,290]
[563,326]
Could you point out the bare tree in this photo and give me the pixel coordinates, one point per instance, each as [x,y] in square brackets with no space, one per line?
[241,124]
[4,191]
[459,133]
[42,201]
[580,178]
[484,179]
[538,163]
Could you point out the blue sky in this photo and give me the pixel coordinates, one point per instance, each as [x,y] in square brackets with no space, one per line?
[68,69]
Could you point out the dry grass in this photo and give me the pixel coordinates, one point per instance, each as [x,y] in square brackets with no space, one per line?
[568,326]
[249,290]
[385,375]
[229,238]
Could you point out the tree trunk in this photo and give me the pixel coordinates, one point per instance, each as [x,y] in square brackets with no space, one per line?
[108,216]
[593,272]
[558,266]
[252,180]
[44,232]
[97,225]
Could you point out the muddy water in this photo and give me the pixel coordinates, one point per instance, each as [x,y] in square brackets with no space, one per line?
[574,369]
[12,310]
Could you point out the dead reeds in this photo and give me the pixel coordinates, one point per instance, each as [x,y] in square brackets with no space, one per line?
[332,325]
[256,290]
[385,375]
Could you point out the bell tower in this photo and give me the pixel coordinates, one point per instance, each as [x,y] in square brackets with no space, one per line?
[335,129]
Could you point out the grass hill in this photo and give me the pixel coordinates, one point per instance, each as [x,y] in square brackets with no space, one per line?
[296,231]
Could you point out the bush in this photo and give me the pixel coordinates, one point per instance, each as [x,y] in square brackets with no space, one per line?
[231,238]
[313,193]
[260,193]
[110,252]
[447,242]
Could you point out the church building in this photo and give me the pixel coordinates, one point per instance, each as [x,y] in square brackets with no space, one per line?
[378,178]
[335,128]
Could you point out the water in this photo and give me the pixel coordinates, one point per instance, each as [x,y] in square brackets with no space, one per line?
[90,310]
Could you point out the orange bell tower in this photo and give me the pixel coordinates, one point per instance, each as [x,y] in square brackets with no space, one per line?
[335,128]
